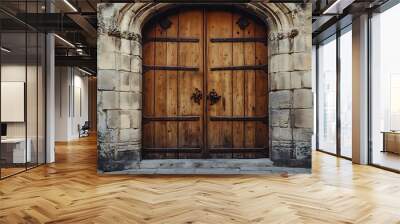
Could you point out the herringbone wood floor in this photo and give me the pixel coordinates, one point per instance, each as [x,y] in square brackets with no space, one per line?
[70,191]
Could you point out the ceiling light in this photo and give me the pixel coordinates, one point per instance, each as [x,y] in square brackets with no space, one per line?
[337,7]
[71,6]
[84,71]
[5,50]
[65,41]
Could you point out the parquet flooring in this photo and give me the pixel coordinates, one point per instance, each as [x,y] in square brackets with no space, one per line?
[70,191]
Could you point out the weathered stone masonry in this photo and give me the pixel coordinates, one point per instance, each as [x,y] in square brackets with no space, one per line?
[120,79]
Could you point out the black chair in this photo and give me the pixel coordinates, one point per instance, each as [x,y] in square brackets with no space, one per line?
[84,130]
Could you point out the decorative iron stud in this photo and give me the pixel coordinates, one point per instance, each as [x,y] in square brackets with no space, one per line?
[243,23]
[165,24]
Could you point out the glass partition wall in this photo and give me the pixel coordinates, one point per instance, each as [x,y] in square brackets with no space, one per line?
[334,93]
[327,95]
[22,77]
[385,89]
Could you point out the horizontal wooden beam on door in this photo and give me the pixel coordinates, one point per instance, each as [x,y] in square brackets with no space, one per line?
[172,39]
[243,39]
[239,118]
[172,118]
[169,68]
[237,68]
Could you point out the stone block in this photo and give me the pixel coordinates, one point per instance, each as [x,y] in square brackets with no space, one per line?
[117,45]
[135,117]
[124,62]
[273,46]
[124,81]
[281,99]
[107,80]
[106,60]
[302,98]
[280,118]
[110,135]
[280,81]
[301,61]
[303,150]
[281,63]
[299,44]
[130,100]
[303,42]
[113,119]
[109,100]
[285,46]
[101,120]
[125,121]
[129,135]
[136,64]
[303,118]
[281,134]
[136,48]
[126,155]
[125,47]
[302,134]
[301,79]
[105,44]
[282,150]
[135,82]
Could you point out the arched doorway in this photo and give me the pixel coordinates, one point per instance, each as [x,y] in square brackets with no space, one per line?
[205,85]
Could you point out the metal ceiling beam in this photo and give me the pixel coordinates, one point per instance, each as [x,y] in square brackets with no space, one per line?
[85,25]
[83,61]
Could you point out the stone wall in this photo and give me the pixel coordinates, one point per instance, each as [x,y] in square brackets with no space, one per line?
[291,97]
[120,78]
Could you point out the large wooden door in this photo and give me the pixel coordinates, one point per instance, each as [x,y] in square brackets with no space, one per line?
[205,85]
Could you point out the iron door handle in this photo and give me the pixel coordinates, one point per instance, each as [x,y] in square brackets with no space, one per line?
[197,96]
[213,97]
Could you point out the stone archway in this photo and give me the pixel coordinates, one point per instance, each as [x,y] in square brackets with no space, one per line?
[120,78]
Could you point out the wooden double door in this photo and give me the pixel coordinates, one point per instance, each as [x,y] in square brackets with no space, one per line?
[205,85]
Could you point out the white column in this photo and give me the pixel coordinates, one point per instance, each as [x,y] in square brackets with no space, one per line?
[50,100]
[360,90]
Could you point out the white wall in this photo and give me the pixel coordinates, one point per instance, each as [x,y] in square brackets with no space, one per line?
[33,126]
[70,83]
[16,73]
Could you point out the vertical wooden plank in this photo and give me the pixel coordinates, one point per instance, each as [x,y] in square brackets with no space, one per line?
[191,55]
[148,89]
[238,87]
[172,86]
[219,25]
[250,86]
[160,129]
[261,58]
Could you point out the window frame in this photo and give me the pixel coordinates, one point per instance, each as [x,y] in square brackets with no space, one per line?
[334,37]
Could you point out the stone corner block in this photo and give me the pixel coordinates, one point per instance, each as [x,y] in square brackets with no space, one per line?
[302,98]
[280,118]
[281,99]
[109,100]
[303,118]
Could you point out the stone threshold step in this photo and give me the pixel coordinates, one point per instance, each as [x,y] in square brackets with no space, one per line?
[214,171]
[204,163]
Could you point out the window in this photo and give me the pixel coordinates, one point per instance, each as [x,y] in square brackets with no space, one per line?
[385,89]
[327,95]
[346,93]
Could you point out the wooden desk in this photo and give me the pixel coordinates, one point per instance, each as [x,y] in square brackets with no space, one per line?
[13,150]
[391,142]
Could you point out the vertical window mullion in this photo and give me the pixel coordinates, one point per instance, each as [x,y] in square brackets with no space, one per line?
[338,74]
